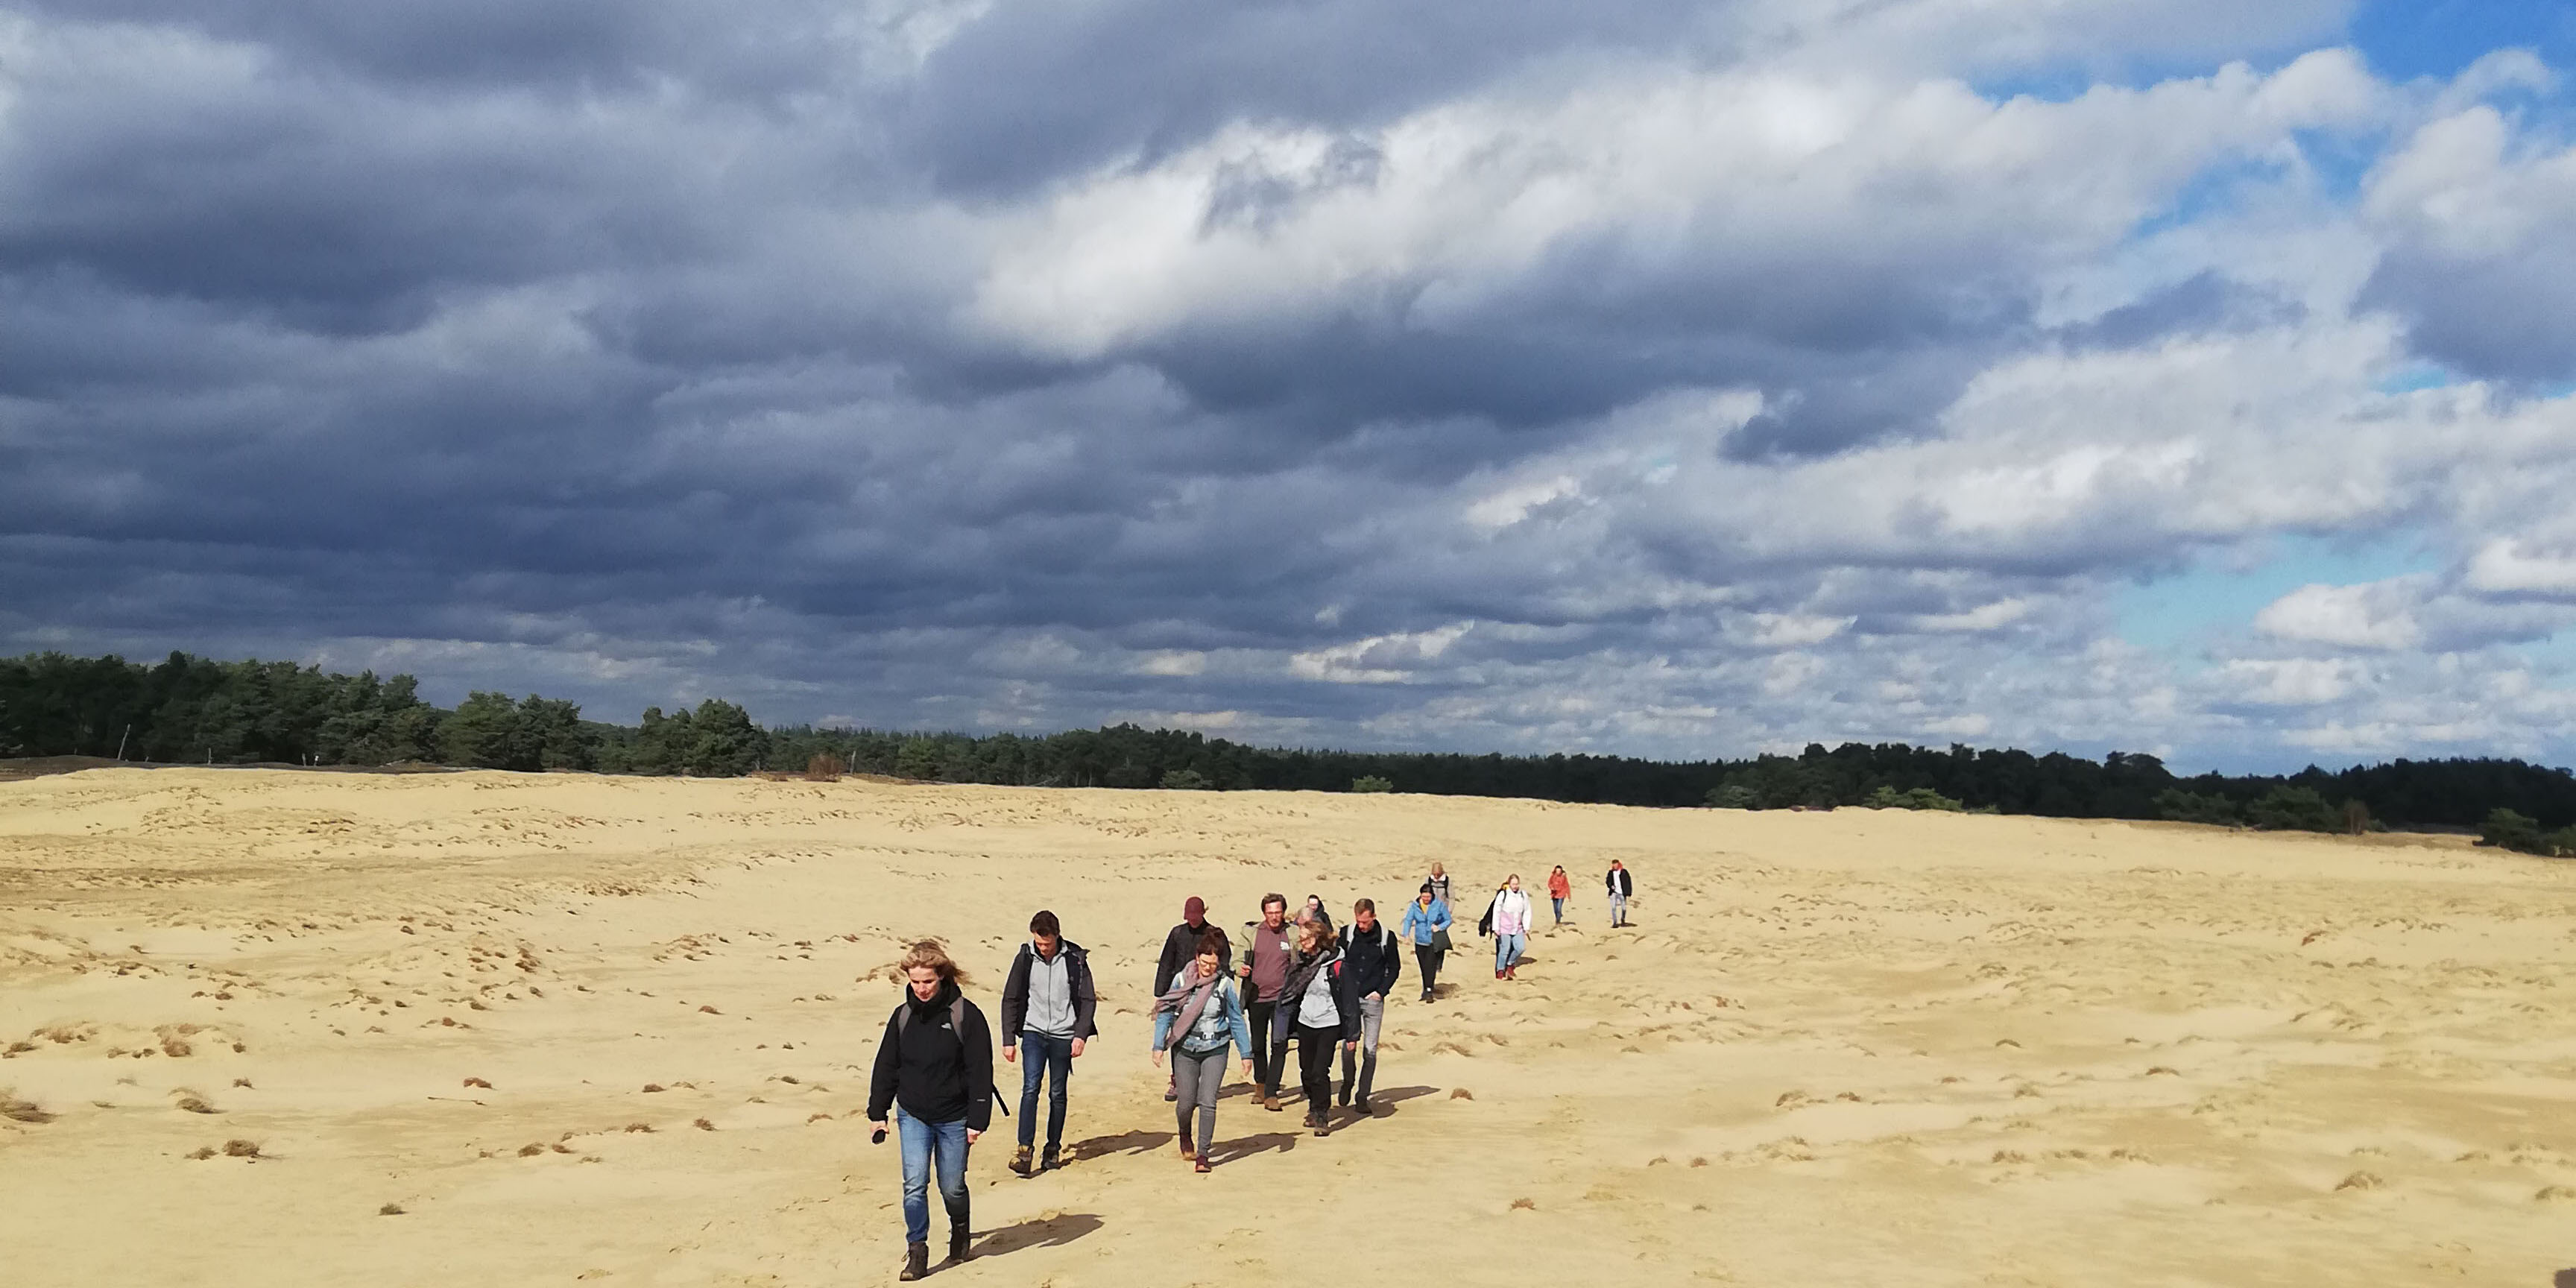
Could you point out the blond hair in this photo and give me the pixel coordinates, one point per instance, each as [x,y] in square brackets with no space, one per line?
[932,954]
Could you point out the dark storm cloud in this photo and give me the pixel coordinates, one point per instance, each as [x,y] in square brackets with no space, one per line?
[640,351]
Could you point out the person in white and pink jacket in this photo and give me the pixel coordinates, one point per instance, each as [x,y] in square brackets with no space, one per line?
[1509,918]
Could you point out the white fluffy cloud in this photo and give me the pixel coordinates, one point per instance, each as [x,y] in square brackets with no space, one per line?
[1636,376]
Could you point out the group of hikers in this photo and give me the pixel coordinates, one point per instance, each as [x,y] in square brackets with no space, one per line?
[1300,981]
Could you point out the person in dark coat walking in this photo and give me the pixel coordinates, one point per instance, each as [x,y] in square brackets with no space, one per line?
[1372,962]
[1621,886]
[934,1070]
[1318,1008]
[1180,947]
[1048,1006]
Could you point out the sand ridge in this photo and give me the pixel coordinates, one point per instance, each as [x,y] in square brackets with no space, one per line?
[284,1027]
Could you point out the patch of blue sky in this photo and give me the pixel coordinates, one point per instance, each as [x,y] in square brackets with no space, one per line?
[2416,376]
[2405,39]
[2184,615]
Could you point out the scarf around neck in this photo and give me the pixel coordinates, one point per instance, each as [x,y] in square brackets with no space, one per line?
[1190,998]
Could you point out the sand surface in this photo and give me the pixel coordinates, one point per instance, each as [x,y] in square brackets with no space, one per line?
[1848,1048]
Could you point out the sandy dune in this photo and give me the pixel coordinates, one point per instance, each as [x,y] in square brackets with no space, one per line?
[1856,1048]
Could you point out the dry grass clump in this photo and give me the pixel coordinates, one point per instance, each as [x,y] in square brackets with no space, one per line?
[825,768]
[21,1111]
[531,1151]
[636,1127]
[390,1209]
[196,1104]
[1461,1093]
[2360,1181]
[478,1082]
[244,1082]
[1524,1205]
[652,1087]
[241,1149]
[703,1125]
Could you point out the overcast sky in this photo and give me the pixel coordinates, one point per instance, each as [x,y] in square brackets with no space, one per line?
[1672,379]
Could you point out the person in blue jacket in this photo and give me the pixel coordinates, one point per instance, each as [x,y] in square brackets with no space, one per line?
[1426,927]
[1195,1017]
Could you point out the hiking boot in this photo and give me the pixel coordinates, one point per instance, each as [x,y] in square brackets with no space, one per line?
[1270,1102]
[1020,1161]
[1323,1125]
[916,1262]
[1053,1159]
[960,1244]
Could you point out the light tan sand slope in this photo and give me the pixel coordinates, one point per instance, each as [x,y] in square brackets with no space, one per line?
[1857,1048]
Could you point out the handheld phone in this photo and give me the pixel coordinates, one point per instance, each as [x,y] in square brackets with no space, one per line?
[877,1137]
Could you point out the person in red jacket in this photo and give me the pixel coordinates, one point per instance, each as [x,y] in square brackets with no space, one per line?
[1560,888]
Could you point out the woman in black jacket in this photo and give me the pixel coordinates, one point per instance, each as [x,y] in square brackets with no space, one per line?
[1316,1004]
[935,1071]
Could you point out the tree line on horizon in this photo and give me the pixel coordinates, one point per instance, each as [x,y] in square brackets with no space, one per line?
[191,710]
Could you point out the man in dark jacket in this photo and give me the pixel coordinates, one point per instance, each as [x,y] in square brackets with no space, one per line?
[1372,964]
[934,1070]
[1180,945]
[1621,886]
[1047,1007]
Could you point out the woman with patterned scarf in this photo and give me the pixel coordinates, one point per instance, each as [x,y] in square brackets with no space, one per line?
[1193,1018]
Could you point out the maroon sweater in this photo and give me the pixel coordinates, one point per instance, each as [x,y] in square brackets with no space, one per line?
[1270,952]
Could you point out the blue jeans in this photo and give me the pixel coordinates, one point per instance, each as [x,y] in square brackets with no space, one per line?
[1560,906]
[1509,949]
[1042,1055]
[923,1144]
[1618,909]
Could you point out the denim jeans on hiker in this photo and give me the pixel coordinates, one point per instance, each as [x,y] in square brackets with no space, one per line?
[1508,950]
[1043,1054]
[926,1145]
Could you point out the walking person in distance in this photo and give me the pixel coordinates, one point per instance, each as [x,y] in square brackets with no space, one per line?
[1047,1009]
[1180,944]
[1426,927]
[1621,886]
[934,1070]
[1560,887]
[1196,1016]
[1316,1007]
[1371,965]
[1314,911]
[1439,884]
[1510,919]
[1268,950]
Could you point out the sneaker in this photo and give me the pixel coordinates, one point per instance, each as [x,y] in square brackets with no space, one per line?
[1188,1150]
[1020,1161]
[1323,1125]
[1202,1167]
[1171,1095]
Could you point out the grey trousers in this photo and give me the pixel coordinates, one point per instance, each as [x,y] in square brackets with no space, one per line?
[1198,1078]
[1372,1014]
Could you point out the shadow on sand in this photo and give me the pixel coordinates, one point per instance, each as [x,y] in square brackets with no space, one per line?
[1125,1142]
[1228,1151]
[1036,1232]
